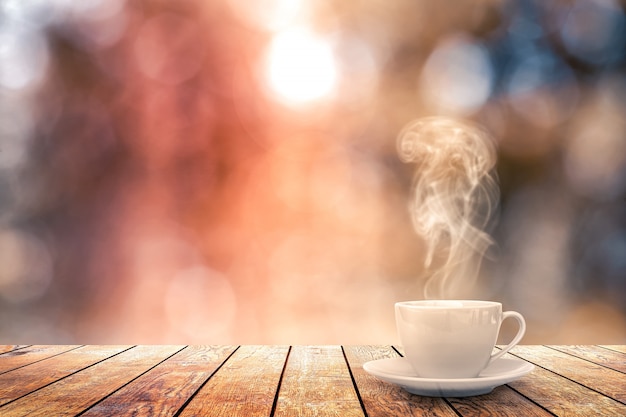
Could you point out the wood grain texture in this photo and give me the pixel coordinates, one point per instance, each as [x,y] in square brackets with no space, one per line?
[316,382]
[77,392]
[385,399]
[558,394]
[164,389]
[21,357]
[245,385]
[282,381]
[616,348]
[604,380]
[502,401]
[24,380]
[596,354]
[9,348]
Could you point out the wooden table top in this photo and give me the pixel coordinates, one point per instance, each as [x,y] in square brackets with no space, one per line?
[59,380]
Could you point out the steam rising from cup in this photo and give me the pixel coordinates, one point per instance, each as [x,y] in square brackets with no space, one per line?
[454,196]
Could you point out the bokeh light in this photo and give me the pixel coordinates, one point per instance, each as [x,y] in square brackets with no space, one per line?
[300,66]
[542,89]
[23,56]
[227,171]
[593,31]
[457,76]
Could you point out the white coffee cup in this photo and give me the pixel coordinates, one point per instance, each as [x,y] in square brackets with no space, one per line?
[452,338]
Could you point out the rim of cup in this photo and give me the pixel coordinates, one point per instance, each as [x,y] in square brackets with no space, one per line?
[447,304]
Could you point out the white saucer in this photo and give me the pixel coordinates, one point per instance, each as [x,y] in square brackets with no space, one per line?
[398,371]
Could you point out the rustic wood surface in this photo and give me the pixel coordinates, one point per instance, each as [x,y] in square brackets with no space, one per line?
[288,381]
[245,385]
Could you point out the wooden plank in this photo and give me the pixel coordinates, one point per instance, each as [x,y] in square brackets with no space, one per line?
[245,385]
[596,354]
[558,394]
[617,348]
[599,378]
[163,390]
[316,382]
[18,358]
[384,399]
[9,348]
[502,401]
[24,380]
[81,390]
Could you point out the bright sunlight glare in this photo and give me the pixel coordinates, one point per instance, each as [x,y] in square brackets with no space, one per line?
[300,66]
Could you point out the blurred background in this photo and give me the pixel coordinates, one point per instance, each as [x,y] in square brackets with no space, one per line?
[224,171]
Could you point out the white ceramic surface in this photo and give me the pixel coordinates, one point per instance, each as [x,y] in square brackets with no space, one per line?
[452,338]
[399,371]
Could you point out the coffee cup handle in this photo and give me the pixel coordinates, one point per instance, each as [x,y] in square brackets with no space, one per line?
[520,333]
